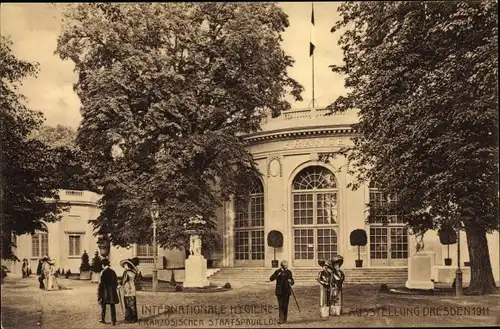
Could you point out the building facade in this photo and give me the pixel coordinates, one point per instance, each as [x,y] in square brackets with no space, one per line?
[305,199]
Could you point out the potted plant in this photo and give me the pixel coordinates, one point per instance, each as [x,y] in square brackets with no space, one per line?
[85,267]
[447,236]
[96,267]
[358,238]
[275,240]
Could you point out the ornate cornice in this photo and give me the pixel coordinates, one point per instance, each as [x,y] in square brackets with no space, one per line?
[299,132]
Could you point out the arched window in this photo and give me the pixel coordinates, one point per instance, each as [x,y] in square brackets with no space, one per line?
[314,216]
[249,228]
[388,233]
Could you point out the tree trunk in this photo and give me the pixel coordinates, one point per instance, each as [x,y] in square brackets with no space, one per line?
[482,280]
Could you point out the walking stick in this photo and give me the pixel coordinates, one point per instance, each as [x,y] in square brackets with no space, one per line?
[293,294]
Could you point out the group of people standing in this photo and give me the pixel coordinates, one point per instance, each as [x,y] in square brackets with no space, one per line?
[26,269]
[111,292]
[330,278]
[46,271]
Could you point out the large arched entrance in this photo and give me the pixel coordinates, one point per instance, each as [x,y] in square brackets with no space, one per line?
[249,229]
[315,223]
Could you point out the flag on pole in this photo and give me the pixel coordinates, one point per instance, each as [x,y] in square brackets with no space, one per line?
[311,40]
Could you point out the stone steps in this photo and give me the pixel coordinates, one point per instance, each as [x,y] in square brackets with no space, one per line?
[308,275]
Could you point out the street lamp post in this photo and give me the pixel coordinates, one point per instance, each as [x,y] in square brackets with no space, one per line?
[154,215]
[458,275]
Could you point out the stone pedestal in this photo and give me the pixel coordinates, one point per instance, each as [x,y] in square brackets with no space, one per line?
[420,271]
[196,272]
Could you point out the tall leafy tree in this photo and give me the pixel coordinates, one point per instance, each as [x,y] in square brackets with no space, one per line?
[26,166]
[167,90]
[424,78]
[71,168]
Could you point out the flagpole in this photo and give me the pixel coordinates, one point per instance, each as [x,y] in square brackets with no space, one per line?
[313,99]
[313,46]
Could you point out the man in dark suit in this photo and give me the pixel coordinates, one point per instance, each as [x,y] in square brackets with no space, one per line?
[284,281]
[107,291]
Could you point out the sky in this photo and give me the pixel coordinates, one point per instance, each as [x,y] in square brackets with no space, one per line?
[34,29]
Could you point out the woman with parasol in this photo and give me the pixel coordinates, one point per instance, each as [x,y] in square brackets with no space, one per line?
[129,290]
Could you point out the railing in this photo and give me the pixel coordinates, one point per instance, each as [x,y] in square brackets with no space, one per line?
[146,260]
[74,193]
[299,114]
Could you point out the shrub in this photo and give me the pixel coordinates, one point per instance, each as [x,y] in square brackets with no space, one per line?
[358,238]
[96,263]
[275,240]
[68,273]
[227,285]
[447,236]
[178,287]
[172,279]
[85,266]
[384,288]
[3,273]
[62,272]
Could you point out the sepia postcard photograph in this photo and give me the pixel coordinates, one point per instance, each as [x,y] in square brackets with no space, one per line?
[249,164]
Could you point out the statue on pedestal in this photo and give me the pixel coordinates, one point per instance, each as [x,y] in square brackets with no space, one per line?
[195,245]
[419,242]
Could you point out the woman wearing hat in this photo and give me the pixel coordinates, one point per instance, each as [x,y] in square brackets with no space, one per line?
[324,278]
[46,272]
[51,279]
[337,281]
[129,290]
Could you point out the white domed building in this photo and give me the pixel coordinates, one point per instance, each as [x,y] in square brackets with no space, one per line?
[305,199]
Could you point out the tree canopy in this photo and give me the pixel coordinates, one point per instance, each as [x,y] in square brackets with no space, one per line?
[27,179]
[424,78]
[167,89]
[70,162]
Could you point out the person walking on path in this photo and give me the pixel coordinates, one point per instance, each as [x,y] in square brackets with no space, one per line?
[107,292]
[129,290]
[284,281]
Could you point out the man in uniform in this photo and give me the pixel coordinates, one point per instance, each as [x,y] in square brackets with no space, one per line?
[284,281]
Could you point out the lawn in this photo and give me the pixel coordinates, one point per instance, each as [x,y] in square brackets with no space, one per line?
[25,306]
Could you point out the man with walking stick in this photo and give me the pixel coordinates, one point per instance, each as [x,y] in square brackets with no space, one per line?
[284,283]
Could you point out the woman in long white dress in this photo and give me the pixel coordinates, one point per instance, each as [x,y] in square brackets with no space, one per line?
[51,282]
